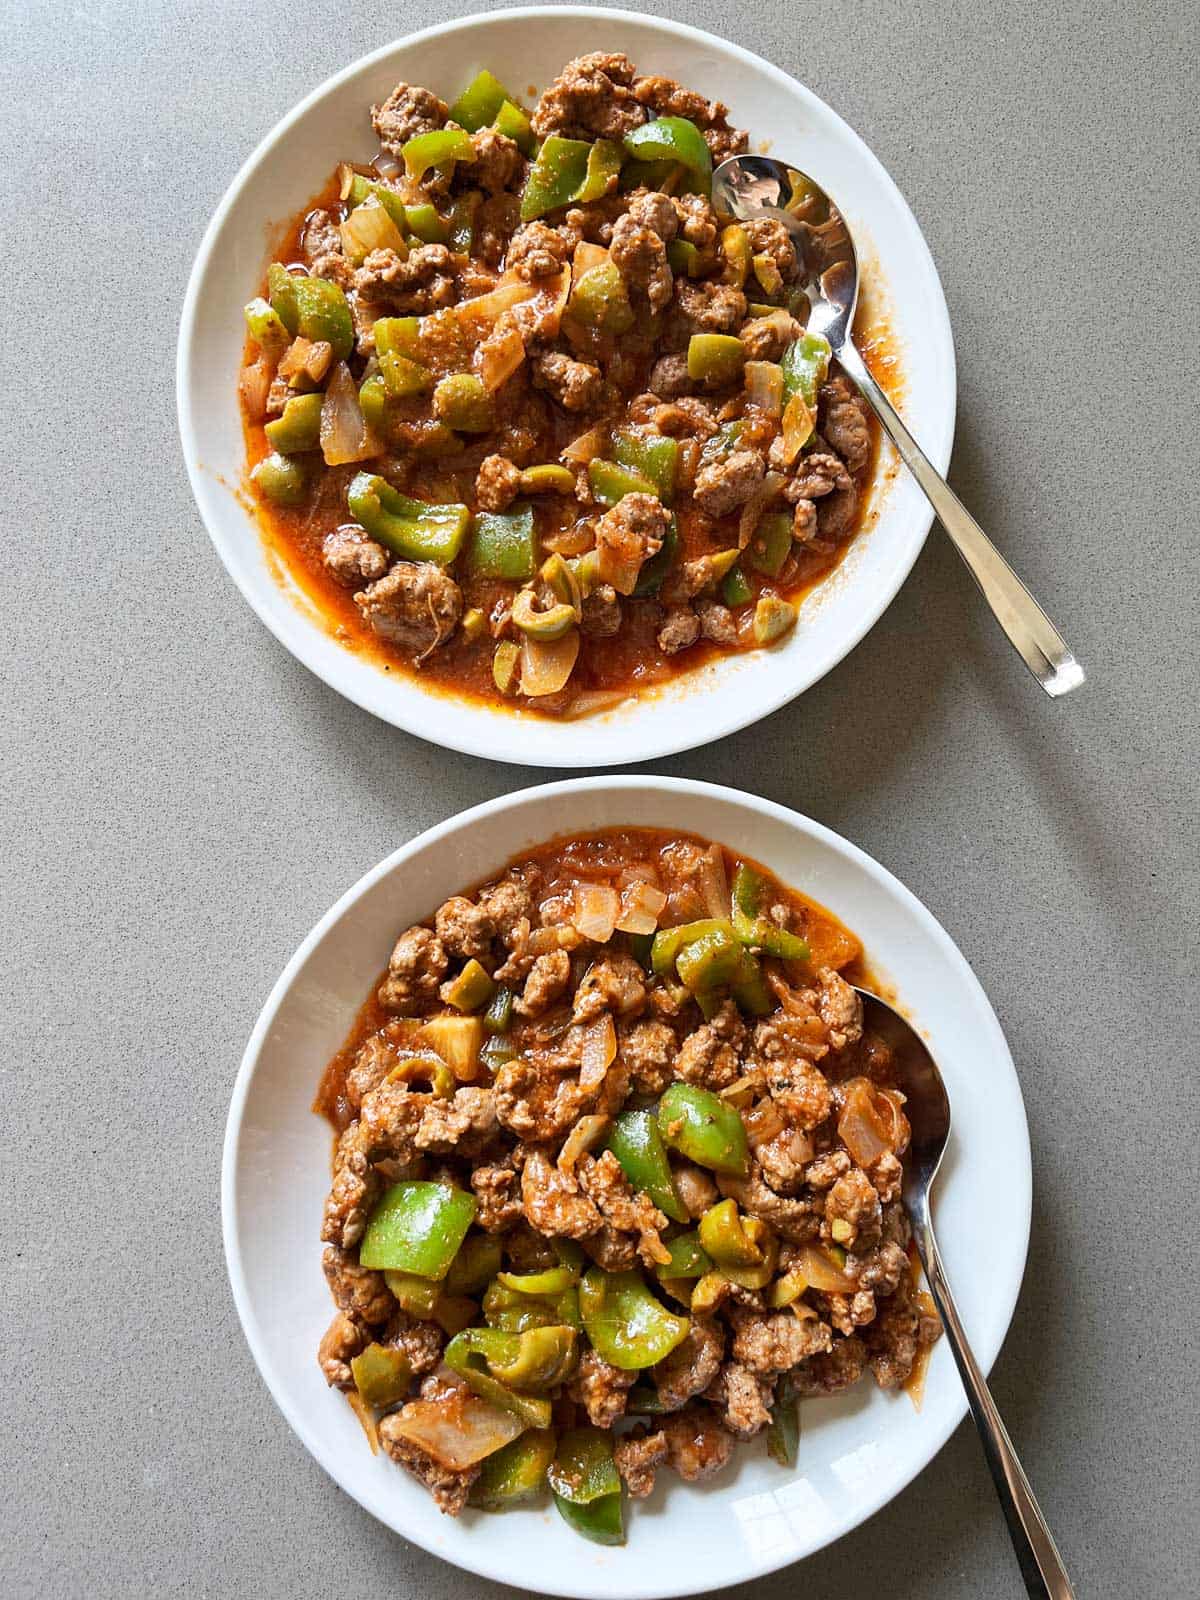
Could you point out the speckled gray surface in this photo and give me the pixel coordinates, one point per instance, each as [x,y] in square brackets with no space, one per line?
[181,800]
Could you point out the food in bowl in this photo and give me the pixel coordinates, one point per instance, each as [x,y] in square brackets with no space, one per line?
[616,1181]
[527,418]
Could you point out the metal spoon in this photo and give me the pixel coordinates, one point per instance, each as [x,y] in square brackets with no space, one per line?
[748,187]
[928,1111]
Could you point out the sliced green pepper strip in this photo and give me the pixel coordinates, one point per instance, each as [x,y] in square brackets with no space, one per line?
[398,336]
[783,1435]
[600,300]
[403,376]
[603,167]
[299,427]
[409,528]
[418,1227]
[637,1144]
[426,223]
[540,1284]
[736,590]
[475,1265]
[689,1259]
[417,1296]
[650,455]
[555,177]
[750,989]
[477,105]
[668,942]
[749,892]
[373,403]
[321,313]
[266,327]
[498,1016]
[439,148]
[381,1374]
[671,139]
[610,483]
[601,1521]
[655,570]
[283,479]
[472,989]
[683,256]
[535,1359]
[583,1469]
[513,123]
[503,544]
[362,189]
[771,543]
[716,358]
[496,1051]
[625,1323]
[805,364]
[725,1239]
[462,221]
[514,1312]
[710,962]
[704,1129]
[515,1474]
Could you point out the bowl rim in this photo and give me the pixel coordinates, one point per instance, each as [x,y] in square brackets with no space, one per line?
[1020,1199]
[498,736]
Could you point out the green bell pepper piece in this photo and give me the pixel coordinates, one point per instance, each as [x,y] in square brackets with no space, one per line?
[603,167]
[362,189]
[644,1401]
[637,1144]
[516,1312]
[515,1474]
[672,139]
[715,358]
[403,376]
[462,221]
[749,892]
[462,403]
[373,403]
[283,479]
[266,327]
[503,545]
[704,1129]
[625,1323]
[496,1051]
[498,1016]
[651,456]
[540,1285]
[805,364]
[586,1486]
[440,147]
[534,1360]
[600,300]
[299,427]
[417,1296]
[710,962]
[725,1239]
[426,223]
[398,336]
[320,311]
[683,257]
[655,570]
[750,988]
[418,1227]
[601,1521]
[475,1265]
[668,942]
[783,1435]
[689,1259]
[472,989]
[514,124]
[555,177]
[736,590]
[411,529]
[477,105]
[771,543]
[610,483]
[381,1375]
[281,292]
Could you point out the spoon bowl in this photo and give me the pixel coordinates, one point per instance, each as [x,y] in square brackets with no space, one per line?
[751,188]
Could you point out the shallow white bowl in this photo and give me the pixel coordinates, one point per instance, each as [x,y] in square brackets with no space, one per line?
[525,48]
[857,1450]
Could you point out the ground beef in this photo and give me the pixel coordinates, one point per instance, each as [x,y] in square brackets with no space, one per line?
[498,165]
[633,530]
[537,1105]
[766,338]
[709,1056]
[358,1291]
[776,1341]
[509,903]
[553,1202]
[354,1190]
[640,256]
[768,237]
[837,514]
[742,1399]
[464,1123]
[816,475]
[648,1051]
[496,483]
[728,482]
[353,557]
[882,1270]
[612,1250]
[666,98]
[692,1365]
[708,307]
[716,622]
[613,983]
[828,1372]
[697,1445]
[416,284]
[852,1211]
[843,414]
[782,1160]
[497,1189]
[793,1220]
[448,1487]
[804,522]
[374,1060]
[321,246]
[576,385]
[416,967]
[698,223]
[421,1342]
[465,929]
[591,98]
[895,1337]
[600,1389]
[342,1341]
[538,251]
[637,1454]
[623,1208]
[548,977]
[601,612]
[669,377]
[416,606]
[685,418]
[679,631]
[695,1188]
[406,112]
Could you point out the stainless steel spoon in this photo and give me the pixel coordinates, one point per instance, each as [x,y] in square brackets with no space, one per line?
[747,187]
[928,1111]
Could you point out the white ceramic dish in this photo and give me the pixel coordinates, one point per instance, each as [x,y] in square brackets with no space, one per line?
[526,48]
[857,1450]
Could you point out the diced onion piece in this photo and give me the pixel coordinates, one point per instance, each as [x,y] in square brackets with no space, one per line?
[763,1123]
[584,1136]
[570,541]
[713,881]
[769,489]
[599,1051]
[457,1430]
[546,664]
[306,358]
[641,907]
[542,315]
[588,256]
[366,1416]
[593,701]
[764,386]
[543,939]
[486,309]
[820,1273]
[866,1127]
[369,227]
[595,911]
[798,424]
[587,446]
[344,432]
[387,166]
[499,357]
[255,385]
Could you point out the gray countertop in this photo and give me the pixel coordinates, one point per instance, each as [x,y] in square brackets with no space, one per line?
[182,800]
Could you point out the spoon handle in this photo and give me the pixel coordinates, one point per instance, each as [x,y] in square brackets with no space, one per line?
[1041,1565]
[1035,638]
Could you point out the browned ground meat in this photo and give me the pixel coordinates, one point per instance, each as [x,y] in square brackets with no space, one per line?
[497,483]
[590,98]
[353,558]
[407,111]
[601,1389]
[343,1340]
[576,385]
[415,968]
[449,1487]
[416,606]
[727,483]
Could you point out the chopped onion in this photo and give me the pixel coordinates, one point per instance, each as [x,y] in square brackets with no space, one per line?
[255,386]
[587,256]
[546,664]
[641,906]
[572,541]
[820,1273]
[499,357]
[457,1429]
[306,357]
[599,1051]
[767,491]
[369,227]
[764,386]
[551,938]
[713,882]
[486,309]
[366,1416]
[592,701]
[798,425]
[595,911]
[344,432]
[387,166]
[763,1123]
[584,1136]
[865,1130]
[587,446]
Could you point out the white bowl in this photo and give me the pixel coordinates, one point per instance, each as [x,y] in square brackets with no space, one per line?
[857,1450]
[525,48]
